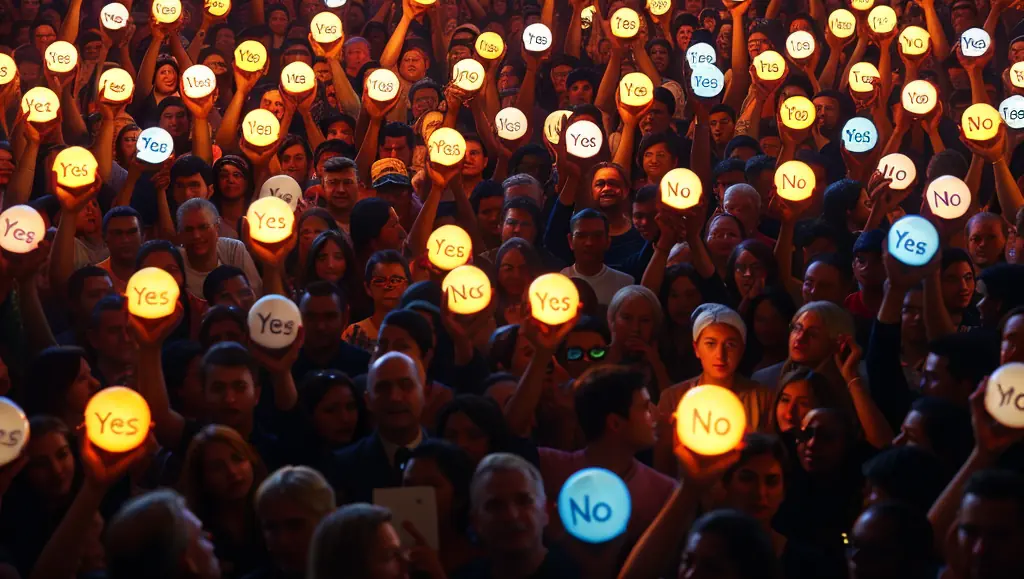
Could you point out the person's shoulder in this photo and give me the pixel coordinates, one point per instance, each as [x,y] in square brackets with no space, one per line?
[768,377]
[619,275]
[671,395]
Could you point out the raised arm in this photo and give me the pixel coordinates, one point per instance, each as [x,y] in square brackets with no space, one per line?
[71,21]
[393,49]
[62,253]
[740,61]
[371,115]
[150,335]
[522,406]
[227,132]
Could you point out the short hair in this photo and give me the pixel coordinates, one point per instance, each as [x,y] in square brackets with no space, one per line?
[382,257]
[988,216]
[839,262]
[298,484]
[909,523]
[343,539]
[908,474]
[155,245]
[290,140]
[665,97]
[837,321]
[321,288]
[188,165]
[76,282]
[228,355]
[729,165]
[505,462]
[196,204]
[425,83]
[486,189]
[602,391]
[332,118]
[587,213]
[758,164]
[397,130]
[658,138]
[221,313]
[501,346]
[216,278]
[646,194]
[744,540]
[948,162]
[339,164]
[745,190]
[998,485]
[724,108]
[369,216]
[757,444]
[970,356]
[582,74]
[336,146]
[745,141]
[121,211]
[147,537]
[523,179]
[110,303]
[528,205]
[457,467]
[482,411]
[55,368]
[415,325]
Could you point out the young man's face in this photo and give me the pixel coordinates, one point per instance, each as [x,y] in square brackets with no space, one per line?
[489,215]
[235,291]
[189,187]
[175,121]
[589,240]
[342,131]
[230,394]
[295,163]
[413,65]
[643,219]
[341,189]
[722,128]
[110,338]
[123,238]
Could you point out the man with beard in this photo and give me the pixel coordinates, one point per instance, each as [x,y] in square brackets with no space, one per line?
[395,399]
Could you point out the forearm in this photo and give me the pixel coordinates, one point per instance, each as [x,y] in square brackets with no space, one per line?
[624,152]
[62,252]
[103,148]
[348,100]
[63,552]
[528,89]
[646,65]
[749,122]
[828,74]
[227,132]
[605,98]
[943,513]
[857,56]
[19,188]
[178,51]
[654,552]
[201,145]
[699,257]
[37,328]
[424,222]
[124,196]
[740,64]
[71,21]
[574,36]
[877,431]
[937,321]
[393,49]
[168,424]
[940,47]
[1007,191]
[313,134]
[73,123]
[522,406]
[285,394]
[198,43]
[164,221]
[700,156]
[654,274]
[367,151]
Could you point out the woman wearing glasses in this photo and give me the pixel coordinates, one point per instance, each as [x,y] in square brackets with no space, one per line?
[387,276]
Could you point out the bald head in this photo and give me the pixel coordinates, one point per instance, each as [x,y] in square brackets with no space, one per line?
[394,393]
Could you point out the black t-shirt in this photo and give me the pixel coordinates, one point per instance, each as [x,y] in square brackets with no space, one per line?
[556,565]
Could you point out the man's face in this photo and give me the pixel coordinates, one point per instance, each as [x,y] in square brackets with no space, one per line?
[608,188]
[43,37]
[1012,346]
[413,65]
[225,40]
[936,380]
[322,71]
[694,6]
[395,394]
[396,148]
[643,219]
[985,242]
[745,208]
[509,513]
[657,160]
[230,395]
[342,131]
[95,288]
[589,240]
[638,428]
[198,233]
[190,187]
[423,101]
[123,238]
[581,92]
[809,340]
[88,220]
[822,282]
[963,17]
[175,121]
[356,55]
[235,291]
[827,110]
[558,76]
[875,552]
[341,188]
[989,538]
[1016,52]
[722,127]
[771,145]
[475,159]
[660,57]
[295,163]
[719,349]
[489,215]
[110,338]
[324,321]
[518,223]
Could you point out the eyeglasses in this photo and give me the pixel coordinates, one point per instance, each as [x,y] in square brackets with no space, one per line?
[592,355]
[392,281]
[800,329]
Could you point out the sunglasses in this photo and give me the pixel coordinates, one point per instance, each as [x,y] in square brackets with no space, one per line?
[591,355]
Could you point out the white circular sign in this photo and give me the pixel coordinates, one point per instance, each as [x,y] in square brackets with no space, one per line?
[284,187]
[511,123]
[769,65]
[114,16]
[335,3]
[974,42]
[537,37]
[625,23]
[382,85]
[468,74]
[1016,74]
[899,168]
[800,45]
[553,125]
[859,135]
[154,146]
[700,53]
[61,57]
[914,40]
[251,56]
[274,322]
[913,240]
[948,197]
[13,430]
[1012,111]
[882,19]
[21,229]
[919,97]
[325,27]
[198,81]
[583,139]
[297,78]
[706,80]
[1004,395]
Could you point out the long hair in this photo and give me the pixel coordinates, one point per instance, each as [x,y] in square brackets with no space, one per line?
[191,484]
[352,280]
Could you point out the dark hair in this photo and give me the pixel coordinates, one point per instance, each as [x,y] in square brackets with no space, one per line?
[330,119]
[910,526]
[604,390]
[756,165]
[53,371]
[908,474]
[729,165]
[426,291]
[214,281]
[397,130]
[587,213]
[840,198]
[121,211]
[756,444]
[154,245]
[948,427]
[485,413]
[188,165]
[501,347]
[536,150]
[350,280]
[745,541]
[528,205]
[318,289]
[229,355]
[765,257]
[177,356]
[999,485]
[658,138]
[486,189]
[646,194]
[750,142]
[217,314]
[836,261]
[290,140]
[369,216]
[415,325]
[317,383]
[382,257]
[425,83]
[336,146]
[970,357]
[76,282]
[524,247]
[724,108]
[338,164]
[109,303]
[457,467]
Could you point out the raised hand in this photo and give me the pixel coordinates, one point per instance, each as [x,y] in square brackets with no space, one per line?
[153,333]
[279,361]
[104,468]
[75,200]
[272,255]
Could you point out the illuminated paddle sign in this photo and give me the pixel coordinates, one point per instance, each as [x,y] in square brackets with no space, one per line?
[862,74]
[594,505]
[914,40]
[22,229]
[117,419]
[251,56]
[166,11]
[270,220]
[260,128]
[468,289]
[919,97]
[284,187]
[710,420]
[154,146]
[842,22]
[325,28]
[1004,395]
[553,125]
[14,430]
[75,167]
[900,168]
[274,322]
[769,65]
[382,85]
[116,85]
[41,104]
[490,45]
[800,45]
[297,78]
[198,81]
[948,197]
[510,123]
[449,246]
[468,74]
[152,293]
[61,57]
[1017,74]
[882,19]
[537,37]
[980,122]
[8,69]
[217,7]
[797,112]
[446,146]
[794,180]
[859,135]
[114,16]
[625,23]
[659,7]
[913,240]
[636,89]
[862,5]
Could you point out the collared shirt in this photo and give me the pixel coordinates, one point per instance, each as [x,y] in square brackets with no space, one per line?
[391,448]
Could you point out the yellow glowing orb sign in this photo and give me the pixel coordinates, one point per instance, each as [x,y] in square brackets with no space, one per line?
[325,27]
[769,65]
[537,37]
[425,2]
[152,293]
[914,41]
[446,146]
[680,188]
[114,16]
[260,128]
[1004,395]
[900,169]
[117,419]
[21,229]
[554,299]
[583,139]
[198,81]
[659,7]
[468,74]
[800,45]
[429,122]
[382,85]
[116,85]
[919,97]
[166,11]
[61,57]
[1017,74]
[794,181]
[842,23]
[636,89]
[490,45]
[980,122]
[862,74]
[510,123]
[468,289]
[710,420]
[862,5]
[41,104]
[217,7]
[797,112]
[625,23]
[297,78]
[270,219]
[251,56]
[882,19]
[8,69]
[448,247]
[14,430]
[553,125]
[75,167]
[948,197]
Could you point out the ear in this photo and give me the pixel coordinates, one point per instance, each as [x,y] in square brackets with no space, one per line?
[568,237]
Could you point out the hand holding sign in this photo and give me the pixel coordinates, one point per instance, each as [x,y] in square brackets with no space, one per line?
[975,49]
[710,420]
[994,431]
[991,150]
[271,255]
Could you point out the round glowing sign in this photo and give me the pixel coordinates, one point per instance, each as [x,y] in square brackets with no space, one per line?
[297,78]
[335,3]
[700,53]
[794,181]
[583,139]
[490,45]
[882,19]
[325,27]
[706,80]
[13,430]
[446,146]
[1004,395]
[260,128]
[919,97]
[900,169]
[284,187]
[710,420]
[448,247]
[41,104]
[154,146]
[974,42]
[554,299]
[769,65]
[1012,111]
[948,197]
[797,112]
[468,74]
[468,289]
[114,16]
[270,220]
[842,23]
[594,505]
[217,7]
[8,69]
[1017,74]
[61,57]
[862,75]
[680,188]
[152,293]
[636,89]
[553,125]
[510,123]
[429,122]
[800,45]
[913,240]
[117,419]
[914,40]
[21,229]
[274,321]
[198,81]
[537,37]
[587,17]
[862,5]
[859,135]
[75,167]
[116,85]
[251,56]
[980,122]
[659,7]
[382,85]
[625,23]
[166,11]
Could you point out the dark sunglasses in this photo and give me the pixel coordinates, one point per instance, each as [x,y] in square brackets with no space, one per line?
[591,355]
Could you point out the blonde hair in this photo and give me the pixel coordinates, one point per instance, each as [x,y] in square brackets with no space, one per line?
[190,483]
[631,291]
[299,484]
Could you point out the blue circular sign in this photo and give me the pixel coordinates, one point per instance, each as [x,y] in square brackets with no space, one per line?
[859,135]
[594,505]
[913,240]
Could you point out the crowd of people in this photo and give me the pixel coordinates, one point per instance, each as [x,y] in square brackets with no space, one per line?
[869,452]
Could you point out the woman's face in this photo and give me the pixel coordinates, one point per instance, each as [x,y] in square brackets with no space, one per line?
[330,262]
[225,40]
[723,237]
[757,43]
[756,488]
[719,349]
[392,338]
[126,145]
[748,270]
[278,22]
[166,262]
[683,298]
[464,433]
[336,416]
[227,475]
[231,181]
[809,340]
[707,557]
[311,227]
[822,447]
[796,400]
[634,319]
[51,466]
[424,472]
[166,80]
[657,161]
[288,529]
[80,391]
[513,274]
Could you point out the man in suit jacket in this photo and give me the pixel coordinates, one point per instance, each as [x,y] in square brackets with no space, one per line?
[394,395]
